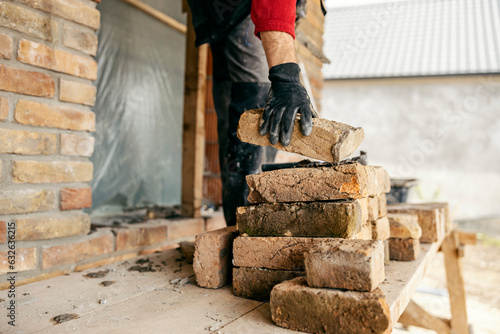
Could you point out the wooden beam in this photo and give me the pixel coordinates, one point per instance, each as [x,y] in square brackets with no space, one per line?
[414,315]
[467,238]
[455,282]
[193,137]
[173,23]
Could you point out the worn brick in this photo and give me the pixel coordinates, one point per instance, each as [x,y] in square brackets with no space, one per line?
[316,219]
[76,198]
[27,171]
[139,236]
[187,250]
[5,46]
[77,144]
[296,306]
[366,231]
[329,141]
[3,232]
[26,82]
[76,92]
[382,205]
[40,228]
[57,60]
[381,229]
[181,228]
[26,142]
[79,39]
[346,264]
[27,22]
[77,251]
[404,249]
[404,226]
[25,260]
[212,257]
[372,207]
[285,253]
[39,114]
[351,180]
[71,10]
[257,283]
[430,219]
[4,108]
[26,201]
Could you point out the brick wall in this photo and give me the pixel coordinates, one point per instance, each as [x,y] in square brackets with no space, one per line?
[46,74]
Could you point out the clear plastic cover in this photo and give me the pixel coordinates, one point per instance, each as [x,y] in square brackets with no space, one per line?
[138,148]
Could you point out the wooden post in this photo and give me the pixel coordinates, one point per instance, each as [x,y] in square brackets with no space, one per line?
[455,282]
[193,138]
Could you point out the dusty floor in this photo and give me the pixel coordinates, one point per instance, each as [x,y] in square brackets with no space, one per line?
[481,266]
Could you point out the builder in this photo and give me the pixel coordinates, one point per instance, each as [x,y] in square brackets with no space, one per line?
[240,82]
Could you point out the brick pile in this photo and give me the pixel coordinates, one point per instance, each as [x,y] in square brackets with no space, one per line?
[295,210]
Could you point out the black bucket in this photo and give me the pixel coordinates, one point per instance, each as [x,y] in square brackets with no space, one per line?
[399,190]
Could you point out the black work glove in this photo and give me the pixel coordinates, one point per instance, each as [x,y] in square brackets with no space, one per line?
[287,97]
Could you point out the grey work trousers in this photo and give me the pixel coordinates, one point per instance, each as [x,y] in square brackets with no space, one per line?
[239,83]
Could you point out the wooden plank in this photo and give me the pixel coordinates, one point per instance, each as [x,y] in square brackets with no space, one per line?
[193,138]
[403,278]
[173,23]
[455,283]
[58,295]
[467,238]
[414,315]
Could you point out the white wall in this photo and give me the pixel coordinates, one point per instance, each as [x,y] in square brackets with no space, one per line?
[444,131]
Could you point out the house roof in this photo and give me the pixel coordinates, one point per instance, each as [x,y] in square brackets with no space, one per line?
[413,38]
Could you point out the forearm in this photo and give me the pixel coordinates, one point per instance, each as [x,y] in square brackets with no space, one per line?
[279,47]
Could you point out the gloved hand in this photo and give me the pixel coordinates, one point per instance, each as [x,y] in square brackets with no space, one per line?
[287,97]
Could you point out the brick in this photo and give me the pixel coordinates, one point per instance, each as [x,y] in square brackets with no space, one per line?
[212,257]
[26,82]
[76,198]
[77,145]
[3,232]
[257,283]
[6,46]
[215,221]
[4,108]
[346,264]
[316,219]
[381,229]
[296,306]
[366,232]
[26,201]
[404,249]
[76,92]
[429,219]
[57,60]
[182,228]
[81,40]
[71,10]
[382,205]
[351,180]
[39,114]
[139,236]
[372,207]
[27,22]
[74,252]
[26,171]
[285,253]
[329,141]
[25,260]
[42,228]
[444,211]
[404,226]
[387,252]
[26,142]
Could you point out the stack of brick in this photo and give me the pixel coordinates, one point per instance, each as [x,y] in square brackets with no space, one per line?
[404,244]
[296,209]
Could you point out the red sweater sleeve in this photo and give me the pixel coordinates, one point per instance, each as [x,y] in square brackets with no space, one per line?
[276,15]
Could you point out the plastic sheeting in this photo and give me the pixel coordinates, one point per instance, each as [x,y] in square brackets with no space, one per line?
[137,158]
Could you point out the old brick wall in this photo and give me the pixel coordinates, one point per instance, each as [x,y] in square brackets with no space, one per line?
[46,74]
